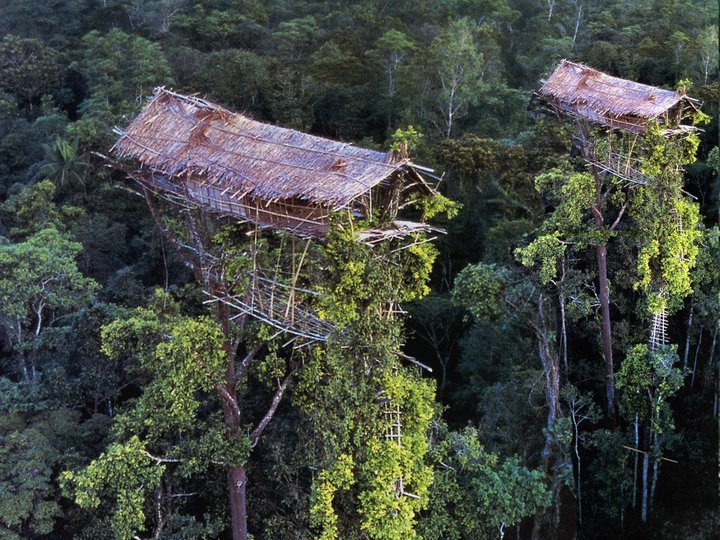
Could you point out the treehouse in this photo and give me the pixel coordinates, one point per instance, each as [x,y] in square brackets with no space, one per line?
[197,153]
[621,107]
[595,99]
[589,95]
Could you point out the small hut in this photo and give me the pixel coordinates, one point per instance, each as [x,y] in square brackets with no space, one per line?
[196,152]
[590,95]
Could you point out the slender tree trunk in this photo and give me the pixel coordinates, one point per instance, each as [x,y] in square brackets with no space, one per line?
[635,466]
[644,508]
[23,366]
[653,483]
[443,375]
[715,404]
[20,353]
[579,471]
[604,294]
[563,332]
[236,474]
[622,506]
[687,337]
[578,17]
[711,358]
[606,330]
[695,360]
[551,368]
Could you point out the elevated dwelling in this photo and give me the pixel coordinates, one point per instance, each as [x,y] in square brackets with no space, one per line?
[193,151]
[592,96]
[198,154]
[595,99]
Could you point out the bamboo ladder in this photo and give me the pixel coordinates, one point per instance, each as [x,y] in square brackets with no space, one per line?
[393,434]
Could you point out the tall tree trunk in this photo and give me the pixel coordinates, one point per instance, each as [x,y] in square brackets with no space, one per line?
[604,293]
[236,476]
[635,466]
[23,366]
[551,368]
[711,357]
[653,482]
[237,482]
[21,353]
[563,333]
[579,471]
[695,360]
[687,337]
[644,503]
[606,331]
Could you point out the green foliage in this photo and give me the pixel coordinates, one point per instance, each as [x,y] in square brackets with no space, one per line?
[356,71]
[328,482]
[647,381]
[62,164]
[185,360]
[346,386]
[360,283]
[404,141]
[668,223]
[119,69]
[28,68]
[39,436]
[235,77]
[543,252]
[480,288]
[385,516]
[180,360]
[39,281]
[458,70]
[126,474]
[573,196]
[608,480]
[438,204]
[475,493]
[33,209]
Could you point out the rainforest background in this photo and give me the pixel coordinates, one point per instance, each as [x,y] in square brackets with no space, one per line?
[86,278]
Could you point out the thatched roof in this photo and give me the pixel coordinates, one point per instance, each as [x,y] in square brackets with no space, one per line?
[590,94]
[182,137]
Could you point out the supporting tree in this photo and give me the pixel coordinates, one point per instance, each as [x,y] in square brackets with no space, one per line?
[490,292]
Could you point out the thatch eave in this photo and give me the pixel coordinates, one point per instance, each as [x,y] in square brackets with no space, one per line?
[275,177]
[588,94]
[183,136]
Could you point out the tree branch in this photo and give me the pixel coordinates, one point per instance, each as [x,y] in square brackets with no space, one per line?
[619,216]
[228,399]
[245,363]
[158,460]
[169,236]
[255,434]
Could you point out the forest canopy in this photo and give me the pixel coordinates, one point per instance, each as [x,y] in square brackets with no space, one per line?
[518,338]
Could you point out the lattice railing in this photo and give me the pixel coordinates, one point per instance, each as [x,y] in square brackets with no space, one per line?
[280,306]
[619,165]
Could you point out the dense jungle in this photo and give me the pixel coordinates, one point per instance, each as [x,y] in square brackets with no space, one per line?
[496,375]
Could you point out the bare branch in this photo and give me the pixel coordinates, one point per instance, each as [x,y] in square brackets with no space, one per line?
[245,362]
[228,399]
[255,434]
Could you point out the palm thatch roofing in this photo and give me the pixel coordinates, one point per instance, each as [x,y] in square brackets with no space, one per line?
[185,139]
[589,94]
